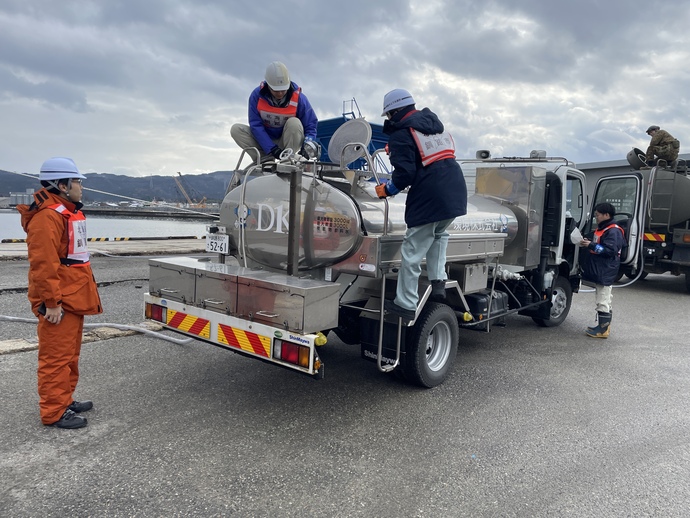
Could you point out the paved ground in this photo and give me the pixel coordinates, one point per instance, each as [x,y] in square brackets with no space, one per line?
[531,422]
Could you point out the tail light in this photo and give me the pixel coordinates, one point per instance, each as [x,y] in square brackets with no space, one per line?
[156,312]
[291,353]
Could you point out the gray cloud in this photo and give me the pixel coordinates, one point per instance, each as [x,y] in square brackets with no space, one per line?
[153,87]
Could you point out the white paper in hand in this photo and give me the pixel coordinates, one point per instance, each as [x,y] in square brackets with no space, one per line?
[575,236]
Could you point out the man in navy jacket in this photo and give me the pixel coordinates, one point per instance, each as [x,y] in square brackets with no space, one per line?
[602,265]
[422,154]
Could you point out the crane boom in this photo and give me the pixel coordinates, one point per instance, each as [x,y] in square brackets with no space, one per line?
[182,189]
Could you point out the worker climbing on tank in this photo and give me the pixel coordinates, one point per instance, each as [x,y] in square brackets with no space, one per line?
[662,146]
[280,117]
[422,154]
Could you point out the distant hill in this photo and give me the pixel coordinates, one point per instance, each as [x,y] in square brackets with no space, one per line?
[161,188]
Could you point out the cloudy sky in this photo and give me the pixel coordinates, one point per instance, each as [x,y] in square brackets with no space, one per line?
[153,86]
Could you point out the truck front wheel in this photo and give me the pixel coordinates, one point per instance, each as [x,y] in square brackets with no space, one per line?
[561,297]
[432,345]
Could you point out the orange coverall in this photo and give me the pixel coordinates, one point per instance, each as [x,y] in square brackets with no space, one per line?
[56,284]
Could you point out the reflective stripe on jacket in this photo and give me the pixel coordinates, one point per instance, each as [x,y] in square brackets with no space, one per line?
[596,238]
[434,147]
[275,116]
[77,251]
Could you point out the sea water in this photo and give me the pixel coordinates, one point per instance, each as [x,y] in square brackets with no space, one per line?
[113,227]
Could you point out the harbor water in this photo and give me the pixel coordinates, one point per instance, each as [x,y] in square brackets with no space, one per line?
[112,227]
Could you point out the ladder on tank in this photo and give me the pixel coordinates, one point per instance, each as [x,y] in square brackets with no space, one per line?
[661,194]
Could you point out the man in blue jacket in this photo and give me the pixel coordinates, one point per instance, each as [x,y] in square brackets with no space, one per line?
[280,116]
[422,154]
[602,265]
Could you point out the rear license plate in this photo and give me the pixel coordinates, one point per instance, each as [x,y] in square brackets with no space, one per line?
[217,243]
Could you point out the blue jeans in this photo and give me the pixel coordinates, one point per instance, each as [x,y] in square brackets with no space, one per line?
[430,241]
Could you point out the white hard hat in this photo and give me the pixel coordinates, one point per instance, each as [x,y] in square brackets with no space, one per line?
[58,168]
[398,98]
[277,76]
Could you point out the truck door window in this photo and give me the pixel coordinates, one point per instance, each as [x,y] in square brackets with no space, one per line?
[574,204]
[619,192]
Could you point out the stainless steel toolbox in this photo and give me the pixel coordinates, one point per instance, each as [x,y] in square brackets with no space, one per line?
[300,305]
[216,287]
[173,278]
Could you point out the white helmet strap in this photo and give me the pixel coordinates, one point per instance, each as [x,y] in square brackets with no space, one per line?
[56,184]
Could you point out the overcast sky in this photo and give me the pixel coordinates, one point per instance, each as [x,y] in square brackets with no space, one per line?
[153,86]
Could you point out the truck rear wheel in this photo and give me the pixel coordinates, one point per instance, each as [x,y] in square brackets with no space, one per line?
[432,345]
[561,297]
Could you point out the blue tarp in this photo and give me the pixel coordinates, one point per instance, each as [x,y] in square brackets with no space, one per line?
[326,128]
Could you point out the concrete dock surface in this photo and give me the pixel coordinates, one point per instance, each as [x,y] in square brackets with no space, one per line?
[16,251]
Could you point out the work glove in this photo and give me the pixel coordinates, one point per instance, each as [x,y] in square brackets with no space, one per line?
[310,149]
[276,151]
[387,188]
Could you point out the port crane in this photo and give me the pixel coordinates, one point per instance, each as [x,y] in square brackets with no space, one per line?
[190,202]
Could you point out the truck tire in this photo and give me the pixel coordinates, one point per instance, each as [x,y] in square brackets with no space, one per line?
[687,281]
[561,297]
[432,345]
[348,329]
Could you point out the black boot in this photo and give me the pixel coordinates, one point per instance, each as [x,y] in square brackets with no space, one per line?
[391,307]
[70,420]
[80,406]
[601,330]
[438,291]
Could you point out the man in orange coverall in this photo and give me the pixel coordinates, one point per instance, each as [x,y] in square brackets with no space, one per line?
[62,288]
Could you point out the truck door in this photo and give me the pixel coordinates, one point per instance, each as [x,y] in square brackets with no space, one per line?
[624,192]
[575,216]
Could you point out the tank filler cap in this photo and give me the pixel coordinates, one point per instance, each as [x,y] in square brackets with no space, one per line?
[340,148]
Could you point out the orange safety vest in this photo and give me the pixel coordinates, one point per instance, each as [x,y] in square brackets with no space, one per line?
[275,116]
[77,252]
[598,233]
[434,147]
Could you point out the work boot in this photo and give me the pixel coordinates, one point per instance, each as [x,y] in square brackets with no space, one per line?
[601,330]
[80,406]
[391,307]
[438,290]
[70,420]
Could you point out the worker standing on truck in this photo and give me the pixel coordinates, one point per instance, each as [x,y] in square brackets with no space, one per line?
[280,116]
[663,146]
[422,154]
[602,264]
[62,288]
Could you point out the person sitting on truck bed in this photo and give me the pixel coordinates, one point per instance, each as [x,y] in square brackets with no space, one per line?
[423,157]
[663,145]
[601,267]
[280,116]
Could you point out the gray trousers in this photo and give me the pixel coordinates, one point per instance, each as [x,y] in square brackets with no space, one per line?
[292,137]
[430,241]
[604,298]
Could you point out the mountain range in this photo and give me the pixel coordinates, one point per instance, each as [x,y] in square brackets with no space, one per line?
[211,186]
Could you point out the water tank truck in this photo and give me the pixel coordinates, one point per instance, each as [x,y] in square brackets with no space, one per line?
[306,250]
